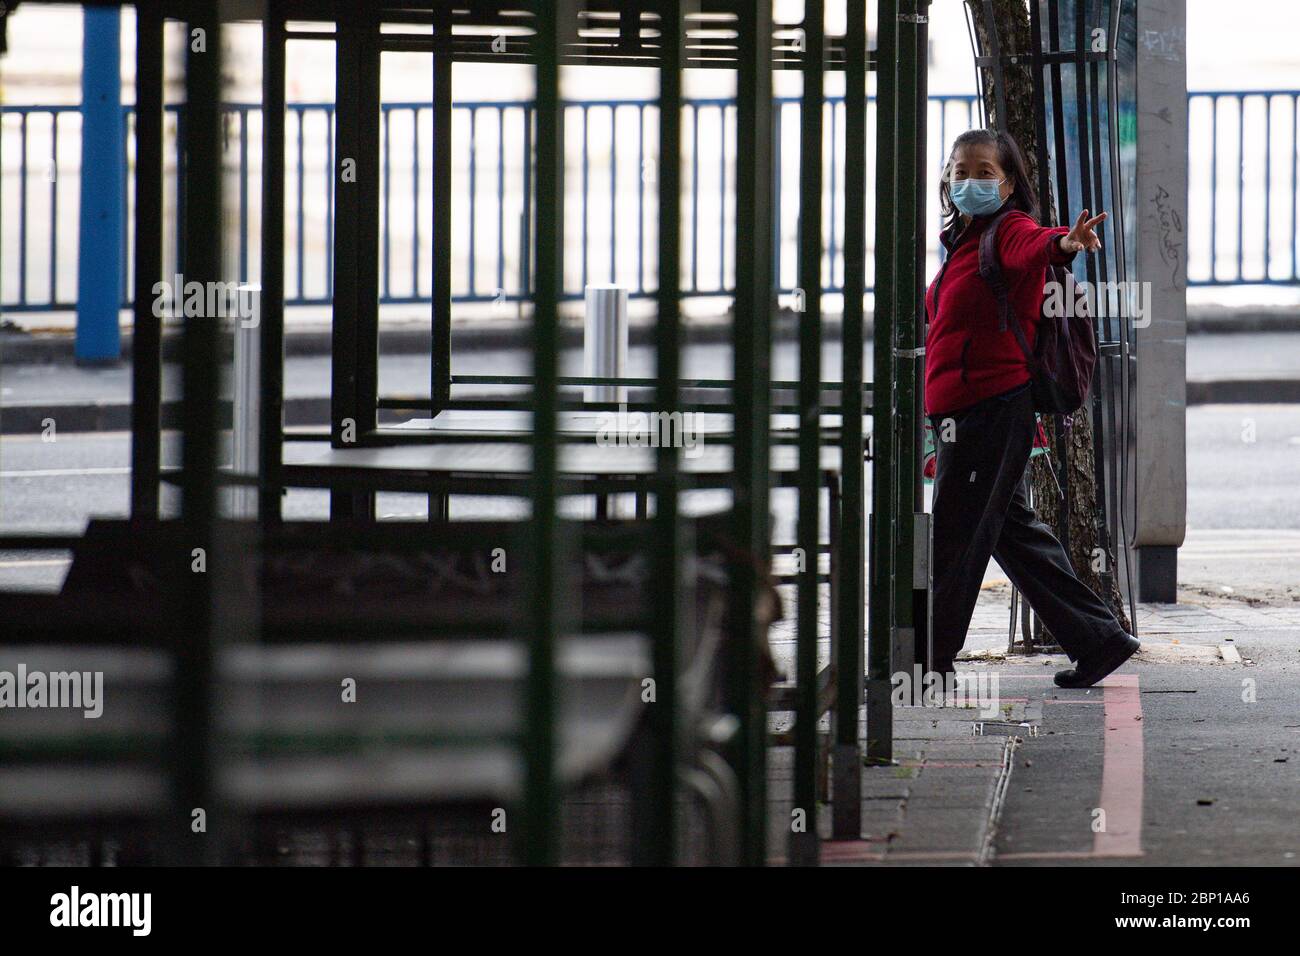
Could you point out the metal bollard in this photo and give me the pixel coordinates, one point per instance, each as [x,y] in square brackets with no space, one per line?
[604,341]
[247,403]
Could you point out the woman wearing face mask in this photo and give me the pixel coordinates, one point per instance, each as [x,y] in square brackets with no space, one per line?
[978,401]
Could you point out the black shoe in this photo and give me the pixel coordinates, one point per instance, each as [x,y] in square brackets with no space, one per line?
[1092,668]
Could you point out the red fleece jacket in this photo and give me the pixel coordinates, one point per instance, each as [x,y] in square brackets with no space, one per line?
[966,358]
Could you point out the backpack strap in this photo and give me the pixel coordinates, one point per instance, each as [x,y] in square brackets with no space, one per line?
[991,273]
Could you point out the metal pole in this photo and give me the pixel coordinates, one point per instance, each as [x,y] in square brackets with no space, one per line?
[99,259]
[440,246]
[271,328]
[668,533]
[1103,410]
[907,250]
[755,302]
[804,843]
[347,171]
[847,815]
[604,341]
[541,796]
[880,717]
[354,345]
[368,104]
[246,405]
[921,536]
[196,629]
[146,339]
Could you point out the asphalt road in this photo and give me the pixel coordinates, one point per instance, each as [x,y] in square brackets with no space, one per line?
[1243,510]
[1210,356]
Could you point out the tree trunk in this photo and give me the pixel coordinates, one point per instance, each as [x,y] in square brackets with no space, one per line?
[1072,448]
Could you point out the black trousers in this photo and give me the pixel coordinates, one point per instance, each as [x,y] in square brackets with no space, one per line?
[981,509]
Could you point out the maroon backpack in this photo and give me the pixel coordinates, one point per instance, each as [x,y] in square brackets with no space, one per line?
[1065,352]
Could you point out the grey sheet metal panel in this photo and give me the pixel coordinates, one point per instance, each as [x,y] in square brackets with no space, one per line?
[1160,405]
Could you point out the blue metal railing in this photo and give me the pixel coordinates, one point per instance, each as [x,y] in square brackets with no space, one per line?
[59,120]
[1243,201]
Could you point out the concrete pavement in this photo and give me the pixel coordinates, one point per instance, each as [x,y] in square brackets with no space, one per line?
[1188,755]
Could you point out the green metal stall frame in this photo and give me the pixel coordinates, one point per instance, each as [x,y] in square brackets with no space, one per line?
[741,37]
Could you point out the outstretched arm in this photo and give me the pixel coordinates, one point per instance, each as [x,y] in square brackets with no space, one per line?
[1025,246]
[1082,237]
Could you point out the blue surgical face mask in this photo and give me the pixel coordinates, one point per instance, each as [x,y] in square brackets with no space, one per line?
[976,197]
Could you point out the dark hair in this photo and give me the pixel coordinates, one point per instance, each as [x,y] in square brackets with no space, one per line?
[1012,161]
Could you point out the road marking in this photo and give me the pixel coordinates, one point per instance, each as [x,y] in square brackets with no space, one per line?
[65,472]
[867,851]
[1121,769]
[36,563]
[1122,775]
[1198,533]
[1193,554]
[851,851]
[1057,700]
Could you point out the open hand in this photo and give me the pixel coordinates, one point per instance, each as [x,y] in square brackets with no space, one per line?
[1082,238]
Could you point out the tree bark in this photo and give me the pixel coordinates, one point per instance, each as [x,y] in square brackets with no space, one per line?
[1071,448]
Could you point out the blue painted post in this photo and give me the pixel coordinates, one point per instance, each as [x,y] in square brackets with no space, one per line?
[99,256]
